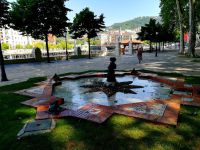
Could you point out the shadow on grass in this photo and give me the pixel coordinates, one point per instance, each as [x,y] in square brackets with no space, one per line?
[22,85]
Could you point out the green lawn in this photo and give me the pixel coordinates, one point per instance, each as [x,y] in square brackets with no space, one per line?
[117,133]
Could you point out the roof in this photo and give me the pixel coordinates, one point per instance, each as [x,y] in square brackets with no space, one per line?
[126,42]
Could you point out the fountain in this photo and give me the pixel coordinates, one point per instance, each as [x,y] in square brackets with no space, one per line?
[111,86]
[96,96]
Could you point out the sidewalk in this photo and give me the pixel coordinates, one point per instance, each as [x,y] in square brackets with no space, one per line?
[165,62]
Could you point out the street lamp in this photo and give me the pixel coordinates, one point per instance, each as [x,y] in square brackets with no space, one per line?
[156,45]
[66,34]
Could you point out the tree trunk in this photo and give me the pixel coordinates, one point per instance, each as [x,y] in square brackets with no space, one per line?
[150,47]
[156,55]
[3,72]
[163,46]
[47,48]
[89,48]
[159,46]
[180,15]
[67,54]
[192,28]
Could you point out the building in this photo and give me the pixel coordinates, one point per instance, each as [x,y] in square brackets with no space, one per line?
[52,39]
[111,37]
[13,38]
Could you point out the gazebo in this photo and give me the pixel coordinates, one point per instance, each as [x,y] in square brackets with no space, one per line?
[129,43]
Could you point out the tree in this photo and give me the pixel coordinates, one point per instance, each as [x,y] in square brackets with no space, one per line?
[40,45]
[192,28]
[174,15]
[188,16]
[4,20]
[180,15]
[148,32]
[95,41]
[61,44]
[39,18]
[166,35]
[86,23]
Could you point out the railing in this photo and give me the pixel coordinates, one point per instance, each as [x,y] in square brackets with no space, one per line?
[27,54]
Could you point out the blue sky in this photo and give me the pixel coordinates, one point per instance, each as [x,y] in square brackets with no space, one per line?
[115,10]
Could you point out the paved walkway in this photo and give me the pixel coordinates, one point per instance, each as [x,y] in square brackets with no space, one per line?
[165,62]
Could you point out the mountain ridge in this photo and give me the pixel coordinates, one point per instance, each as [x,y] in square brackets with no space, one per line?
[133,23]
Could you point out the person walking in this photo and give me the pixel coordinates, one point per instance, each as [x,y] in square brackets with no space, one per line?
[139,54]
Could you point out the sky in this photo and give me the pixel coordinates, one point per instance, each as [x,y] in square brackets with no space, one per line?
[115,11]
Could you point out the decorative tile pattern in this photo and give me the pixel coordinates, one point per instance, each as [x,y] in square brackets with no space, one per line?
[156,109]
[182,92]
[187,99]
[36,90]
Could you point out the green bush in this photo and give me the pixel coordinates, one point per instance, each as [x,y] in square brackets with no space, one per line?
[4,46]
[28,46]
[18,46]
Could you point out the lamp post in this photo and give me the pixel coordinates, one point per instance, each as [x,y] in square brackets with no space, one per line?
[66,34]
[156,55]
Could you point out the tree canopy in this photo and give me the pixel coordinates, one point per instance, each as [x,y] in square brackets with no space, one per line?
[148,32]
[39,18]
[185,14]
[155,32]
[86,23]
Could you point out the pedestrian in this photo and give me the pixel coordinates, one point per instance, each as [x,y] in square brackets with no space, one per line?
[139,54]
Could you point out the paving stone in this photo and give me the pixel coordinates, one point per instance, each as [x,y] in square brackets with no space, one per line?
[169,61]
[181,93]
[188,99]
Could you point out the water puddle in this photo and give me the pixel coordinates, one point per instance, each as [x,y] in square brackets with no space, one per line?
[76,96]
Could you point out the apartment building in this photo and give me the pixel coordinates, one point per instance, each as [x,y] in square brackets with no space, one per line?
[13,38]
[111,37]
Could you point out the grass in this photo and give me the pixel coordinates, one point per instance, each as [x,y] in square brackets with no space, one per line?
[172,74]
[192,80]
[196,60]
[188,79]
[118,132]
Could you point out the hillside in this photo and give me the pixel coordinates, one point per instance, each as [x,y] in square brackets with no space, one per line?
[134,23]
